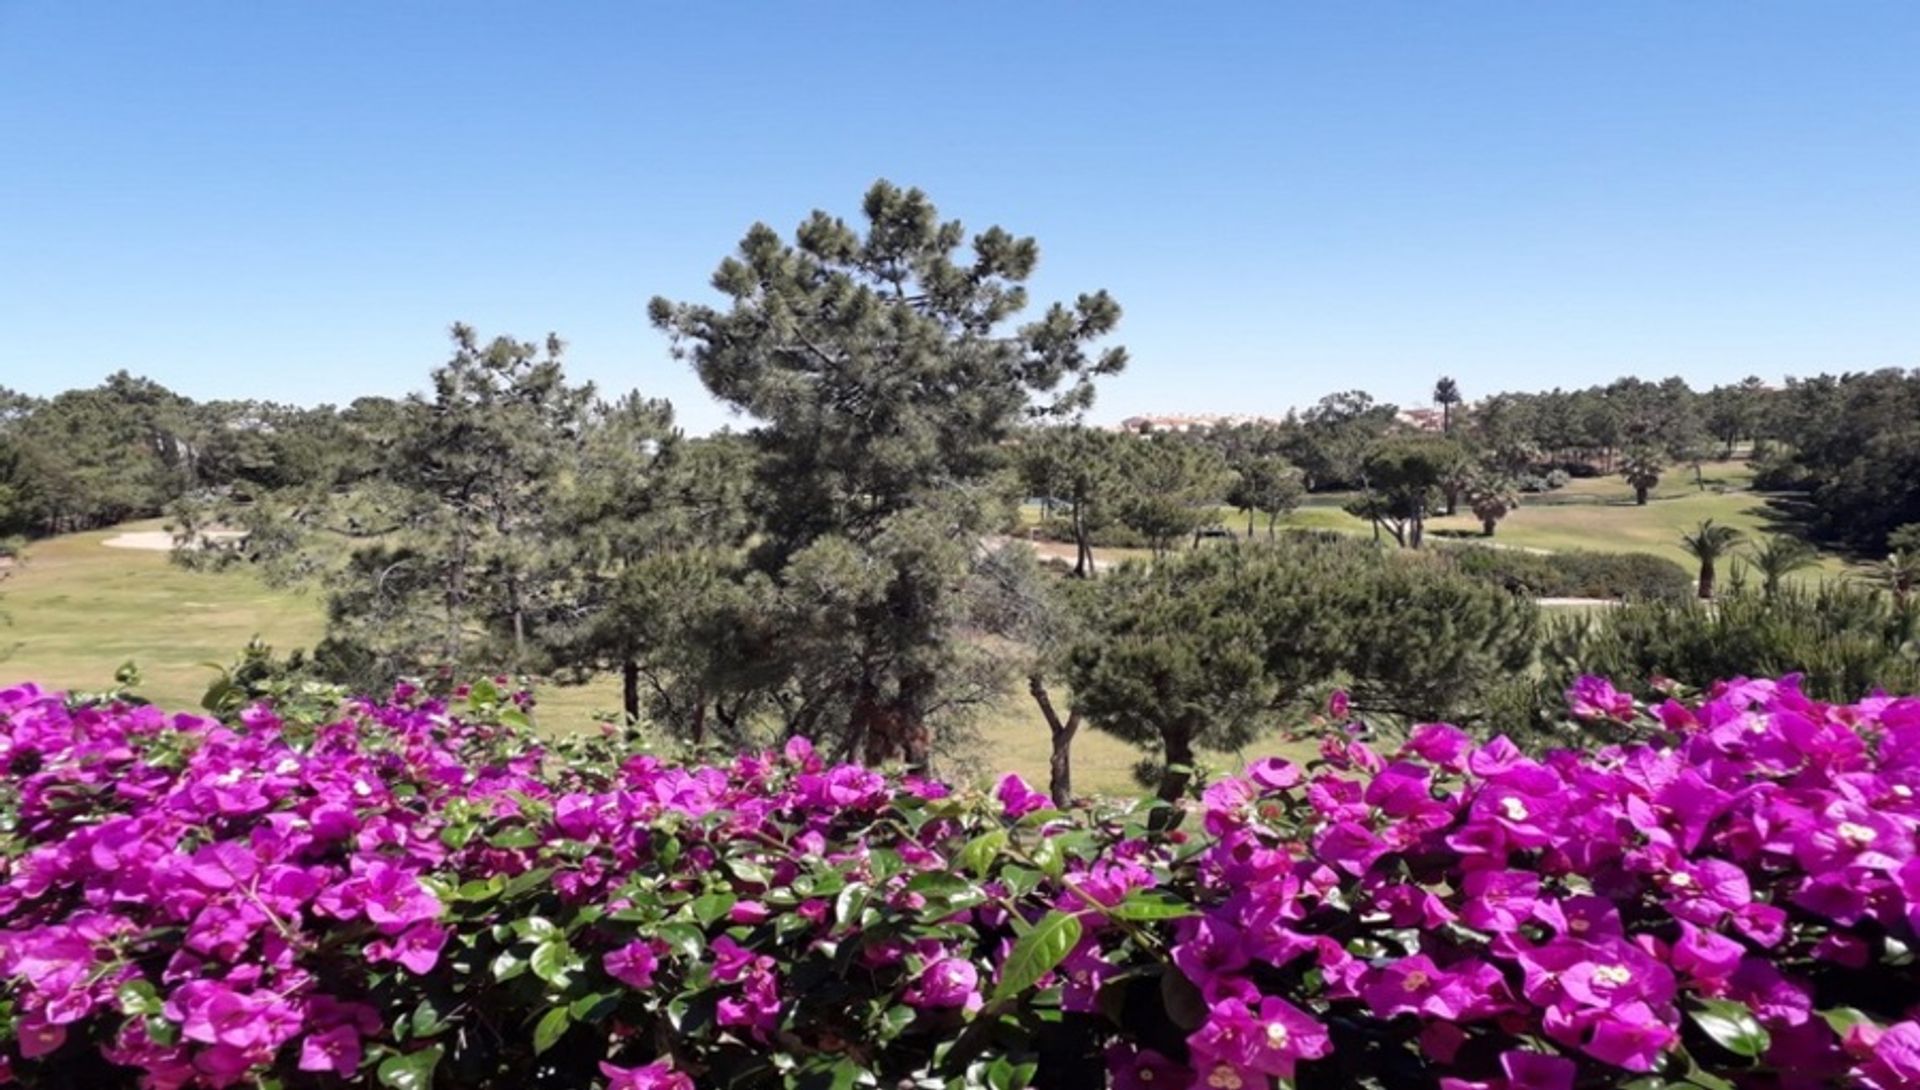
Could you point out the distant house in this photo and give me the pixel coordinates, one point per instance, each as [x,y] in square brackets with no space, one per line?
[1432,420]
[1151,425]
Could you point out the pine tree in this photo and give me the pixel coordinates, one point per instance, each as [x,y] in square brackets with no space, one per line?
[884,371]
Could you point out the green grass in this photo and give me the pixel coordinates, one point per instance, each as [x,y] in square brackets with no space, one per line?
[78,609]
[1594,513]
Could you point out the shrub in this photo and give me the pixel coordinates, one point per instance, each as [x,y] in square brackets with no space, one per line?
[1843,641]
[418,898]
[1576,574]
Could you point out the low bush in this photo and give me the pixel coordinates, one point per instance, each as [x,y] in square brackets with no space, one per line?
[1843,641]
[1576,574]
[420,896]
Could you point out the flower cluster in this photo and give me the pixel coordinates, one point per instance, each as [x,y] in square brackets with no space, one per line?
[1728,894]
[414,894]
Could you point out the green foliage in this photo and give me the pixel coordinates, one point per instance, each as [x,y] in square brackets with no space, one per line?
[1642,468]
[1778,556]
[1855,442]
[885,372]
[1267,484]
[1847,642]
[1172,489]
[1709,543]
[1204,648]
[1574,573]
[1403,479]
[1492,497]
[1082,469]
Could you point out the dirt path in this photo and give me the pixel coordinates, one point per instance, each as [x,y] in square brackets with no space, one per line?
[160,541]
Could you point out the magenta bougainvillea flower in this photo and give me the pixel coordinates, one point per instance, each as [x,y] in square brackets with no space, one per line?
[416,887]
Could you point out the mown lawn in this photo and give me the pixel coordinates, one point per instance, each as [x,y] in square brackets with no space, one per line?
[1597,513]
[76,610]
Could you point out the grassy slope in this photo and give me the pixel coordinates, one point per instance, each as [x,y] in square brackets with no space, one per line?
[79,609]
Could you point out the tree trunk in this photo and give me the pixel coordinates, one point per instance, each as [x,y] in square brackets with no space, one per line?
[630,691]
[1060,759]
[517,603]
[1177,775]
[456,592]
[1453,499]
[1706,579]
[1249,523]
[1272,518]
[1640,495]
[1082,551]
[1486,527]
[896,727]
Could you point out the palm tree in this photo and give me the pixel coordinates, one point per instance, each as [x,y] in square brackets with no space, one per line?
[1707,544]
[1780,556]
[1899,573]
[1446,394]
[1492,499]
[1642,469]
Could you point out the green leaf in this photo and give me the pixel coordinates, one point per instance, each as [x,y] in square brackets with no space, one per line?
[537,928]
[938,884]
[711,906]
[1050,858]
[519,836]
[508,965]
[552,961]
[593,1007]
[1842,1019]
[1004,1074]
[1732,1026]
[162,1032]
[666,850]
[531,879]
[1141,905]
[1037,952]
[479,890]
[138,997]
[410,1071]
[980,852]
[1020,880]
[685,939]
[847,906]
[551,1027]
[750,872]
[427,1020]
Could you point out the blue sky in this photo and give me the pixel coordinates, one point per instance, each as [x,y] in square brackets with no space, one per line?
[292,200]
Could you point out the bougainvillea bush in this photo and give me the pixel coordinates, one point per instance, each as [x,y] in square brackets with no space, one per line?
[419,895]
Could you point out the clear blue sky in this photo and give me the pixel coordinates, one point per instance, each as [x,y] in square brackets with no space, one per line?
[292,200]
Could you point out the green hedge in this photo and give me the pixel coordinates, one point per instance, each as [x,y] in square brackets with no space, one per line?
[1577,574]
